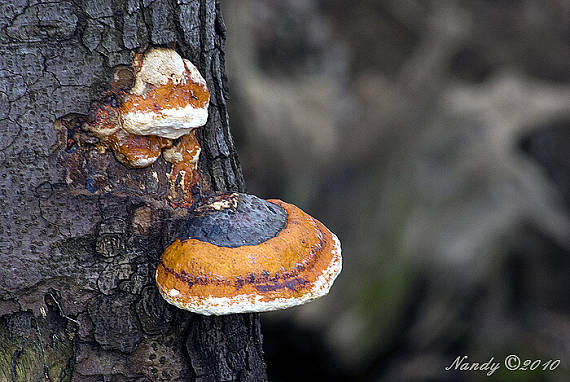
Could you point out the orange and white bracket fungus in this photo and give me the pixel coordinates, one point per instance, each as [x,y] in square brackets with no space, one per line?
[168,99]
[239,253]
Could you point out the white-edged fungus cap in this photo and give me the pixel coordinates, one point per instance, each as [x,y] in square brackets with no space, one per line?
[169,98]
[242,254]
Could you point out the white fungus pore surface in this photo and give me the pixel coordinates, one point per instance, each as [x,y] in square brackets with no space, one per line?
[169,123]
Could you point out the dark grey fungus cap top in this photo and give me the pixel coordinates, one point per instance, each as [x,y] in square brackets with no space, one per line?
[234,220]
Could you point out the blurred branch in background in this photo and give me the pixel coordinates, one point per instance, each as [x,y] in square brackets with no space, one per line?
[433,137]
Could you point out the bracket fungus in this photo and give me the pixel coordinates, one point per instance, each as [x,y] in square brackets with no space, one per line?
[238,253]
[153,108]
[169,98]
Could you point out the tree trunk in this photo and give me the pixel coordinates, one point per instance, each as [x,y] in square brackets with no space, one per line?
[81,234]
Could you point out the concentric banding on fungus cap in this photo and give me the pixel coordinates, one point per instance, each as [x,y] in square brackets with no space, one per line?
[239,253]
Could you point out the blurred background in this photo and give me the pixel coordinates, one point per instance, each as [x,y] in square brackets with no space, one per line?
[433,137]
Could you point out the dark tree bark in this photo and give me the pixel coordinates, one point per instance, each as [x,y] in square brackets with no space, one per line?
[77,294]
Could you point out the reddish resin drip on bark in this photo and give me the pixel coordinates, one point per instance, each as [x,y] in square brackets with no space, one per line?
[133,151]
[183,177]
[137,150]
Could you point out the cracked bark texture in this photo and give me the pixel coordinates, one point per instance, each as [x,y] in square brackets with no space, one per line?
[77,294]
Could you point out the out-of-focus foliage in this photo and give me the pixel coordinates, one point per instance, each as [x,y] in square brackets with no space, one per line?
[433,138]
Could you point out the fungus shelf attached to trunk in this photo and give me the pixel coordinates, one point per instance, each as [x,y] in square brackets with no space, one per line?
[238,253]
[152,108]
